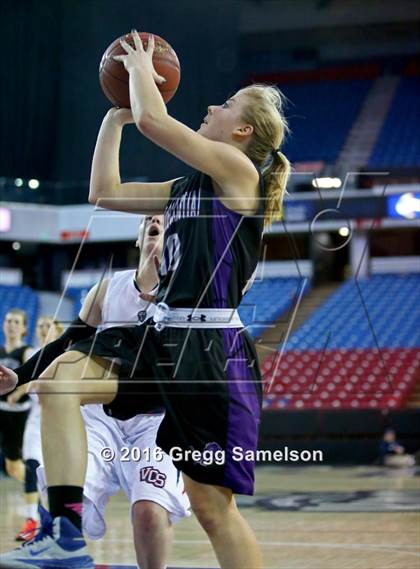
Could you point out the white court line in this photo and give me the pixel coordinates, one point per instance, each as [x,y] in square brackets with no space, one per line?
[361,546]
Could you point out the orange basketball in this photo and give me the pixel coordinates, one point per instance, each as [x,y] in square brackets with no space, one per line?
[113,76]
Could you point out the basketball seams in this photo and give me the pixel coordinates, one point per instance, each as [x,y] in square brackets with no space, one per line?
[105,73]
[167,61]
[106,90]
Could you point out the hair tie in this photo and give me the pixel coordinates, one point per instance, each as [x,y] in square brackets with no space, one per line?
[275,151]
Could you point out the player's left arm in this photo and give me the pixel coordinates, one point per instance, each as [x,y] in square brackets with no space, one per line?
[91,310]
[233,172]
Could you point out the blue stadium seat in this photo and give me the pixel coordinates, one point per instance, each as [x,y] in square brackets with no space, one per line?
[78,296]
[267,300]
[382,311]
[321,114]
[398,144]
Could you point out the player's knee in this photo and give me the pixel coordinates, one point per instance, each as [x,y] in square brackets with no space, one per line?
[210,520]
[210,517]
[14,469]
[211,505]
[149,518]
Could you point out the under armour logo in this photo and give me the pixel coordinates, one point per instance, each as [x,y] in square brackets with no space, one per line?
[201,318]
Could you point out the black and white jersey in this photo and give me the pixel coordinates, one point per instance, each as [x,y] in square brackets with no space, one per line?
[210,252]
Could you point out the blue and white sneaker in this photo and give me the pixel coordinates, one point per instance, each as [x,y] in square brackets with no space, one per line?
[58,545]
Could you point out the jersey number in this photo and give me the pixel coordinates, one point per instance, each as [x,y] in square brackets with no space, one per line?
[171,255]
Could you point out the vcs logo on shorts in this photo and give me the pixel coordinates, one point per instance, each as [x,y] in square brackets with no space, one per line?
[153,476]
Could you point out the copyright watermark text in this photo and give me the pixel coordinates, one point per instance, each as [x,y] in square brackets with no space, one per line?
[212,454]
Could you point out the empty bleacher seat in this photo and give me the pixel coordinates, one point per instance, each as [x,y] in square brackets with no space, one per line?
[360,349]
[398,144]
[267,300]
[320,115]
[381,311]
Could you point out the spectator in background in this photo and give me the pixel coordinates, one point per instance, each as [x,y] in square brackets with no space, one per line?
[47,330]
[13,417]
[392,453]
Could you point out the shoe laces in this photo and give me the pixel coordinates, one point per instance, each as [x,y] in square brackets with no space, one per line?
[41,533]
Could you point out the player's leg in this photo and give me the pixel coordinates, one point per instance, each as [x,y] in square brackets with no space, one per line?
[72,380]
[216,412]
[30,524]
[153,534]
[32,457]
[233,540]
[155,489]
[13,428]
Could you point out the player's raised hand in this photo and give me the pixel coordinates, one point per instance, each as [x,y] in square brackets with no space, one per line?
[8,380]
[120,116]
[139,57]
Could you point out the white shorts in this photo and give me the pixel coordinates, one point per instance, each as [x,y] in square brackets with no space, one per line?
[136,472]
[32,448]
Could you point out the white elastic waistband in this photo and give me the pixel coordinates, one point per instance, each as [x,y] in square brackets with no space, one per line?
[16,407]
[195,317]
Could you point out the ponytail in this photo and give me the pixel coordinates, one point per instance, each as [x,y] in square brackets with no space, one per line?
[275,177]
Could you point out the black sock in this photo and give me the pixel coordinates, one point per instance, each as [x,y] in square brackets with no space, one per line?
[66,501]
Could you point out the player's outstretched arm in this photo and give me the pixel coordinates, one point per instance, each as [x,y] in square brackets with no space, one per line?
[77,330]
[106,189]
[90,317]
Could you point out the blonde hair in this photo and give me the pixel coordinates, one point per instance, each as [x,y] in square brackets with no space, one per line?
[58,326]
[265,114]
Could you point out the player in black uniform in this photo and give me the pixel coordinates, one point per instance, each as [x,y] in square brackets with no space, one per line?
[194,357]
[13,417]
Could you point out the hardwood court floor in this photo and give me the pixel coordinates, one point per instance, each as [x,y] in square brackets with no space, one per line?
[305,518]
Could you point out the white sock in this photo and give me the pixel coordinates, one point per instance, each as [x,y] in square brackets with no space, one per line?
[32,511]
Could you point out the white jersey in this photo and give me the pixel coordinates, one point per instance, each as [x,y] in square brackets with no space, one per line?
[122,454]
[31,447]
[122,305]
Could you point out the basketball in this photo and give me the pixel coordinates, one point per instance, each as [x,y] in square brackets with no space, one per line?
[113,76]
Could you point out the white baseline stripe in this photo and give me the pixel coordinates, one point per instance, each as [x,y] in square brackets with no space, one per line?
[361,546]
